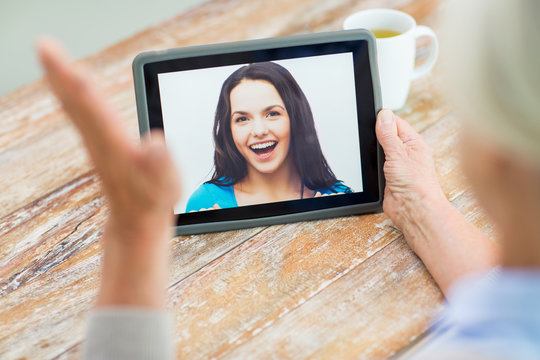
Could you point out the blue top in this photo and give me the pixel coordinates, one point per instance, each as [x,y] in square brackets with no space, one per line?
[207,195]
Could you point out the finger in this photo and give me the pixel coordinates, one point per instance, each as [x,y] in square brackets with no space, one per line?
[387,132]
[216,206]
[317,194]
[100,127]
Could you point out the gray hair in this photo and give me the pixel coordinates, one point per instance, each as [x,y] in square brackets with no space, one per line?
[495,58]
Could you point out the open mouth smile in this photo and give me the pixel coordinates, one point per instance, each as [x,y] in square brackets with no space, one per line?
[264,149]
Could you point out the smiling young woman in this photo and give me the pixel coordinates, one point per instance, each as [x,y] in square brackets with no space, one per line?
[266,146]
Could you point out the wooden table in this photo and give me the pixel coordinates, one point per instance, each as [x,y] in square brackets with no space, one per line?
[341,288]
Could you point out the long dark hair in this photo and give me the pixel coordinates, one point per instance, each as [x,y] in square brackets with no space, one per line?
[230,165]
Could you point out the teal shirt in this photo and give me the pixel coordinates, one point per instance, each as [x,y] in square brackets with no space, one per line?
[207,195]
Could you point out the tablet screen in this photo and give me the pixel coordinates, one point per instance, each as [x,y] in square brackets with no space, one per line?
[267,132]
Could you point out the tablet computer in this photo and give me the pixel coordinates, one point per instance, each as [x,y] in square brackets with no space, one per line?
[267,131]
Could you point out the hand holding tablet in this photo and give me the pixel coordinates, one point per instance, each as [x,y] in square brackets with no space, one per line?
[264,130]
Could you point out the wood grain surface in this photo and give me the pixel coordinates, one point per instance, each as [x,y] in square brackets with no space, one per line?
[342,288]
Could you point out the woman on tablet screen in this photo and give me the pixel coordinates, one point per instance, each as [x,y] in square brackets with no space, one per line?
[266,146]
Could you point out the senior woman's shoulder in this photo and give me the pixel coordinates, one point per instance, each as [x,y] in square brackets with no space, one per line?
[208,194]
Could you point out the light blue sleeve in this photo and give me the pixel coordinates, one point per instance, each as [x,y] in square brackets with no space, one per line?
[207,195]
[129,333]
[201,199]
[338,187]
[341,188]
[489,316]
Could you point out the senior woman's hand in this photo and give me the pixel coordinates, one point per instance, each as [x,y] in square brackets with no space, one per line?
[139,181]
[411,180]
[449,246]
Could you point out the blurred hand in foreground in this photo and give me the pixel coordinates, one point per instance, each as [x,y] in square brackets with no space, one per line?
[140,182]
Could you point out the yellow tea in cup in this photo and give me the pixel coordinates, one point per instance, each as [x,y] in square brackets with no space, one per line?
[396,33]
[384,33]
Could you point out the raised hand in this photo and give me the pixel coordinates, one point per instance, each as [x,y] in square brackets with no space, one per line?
[139,180]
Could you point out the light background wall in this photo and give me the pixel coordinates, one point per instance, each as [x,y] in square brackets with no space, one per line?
[84,26]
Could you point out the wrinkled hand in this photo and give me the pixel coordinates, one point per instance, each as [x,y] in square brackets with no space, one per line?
[410,175]
[139,181]
[439,234]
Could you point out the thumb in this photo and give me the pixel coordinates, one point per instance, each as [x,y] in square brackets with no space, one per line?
[387,132]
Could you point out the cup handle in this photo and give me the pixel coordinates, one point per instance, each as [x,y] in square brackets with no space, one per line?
[426,67]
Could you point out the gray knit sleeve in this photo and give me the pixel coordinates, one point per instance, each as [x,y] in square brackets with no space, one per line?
[129,333]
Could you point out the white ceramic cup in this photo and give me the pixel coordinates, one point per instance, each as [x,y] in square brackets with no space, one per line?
[396,55]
